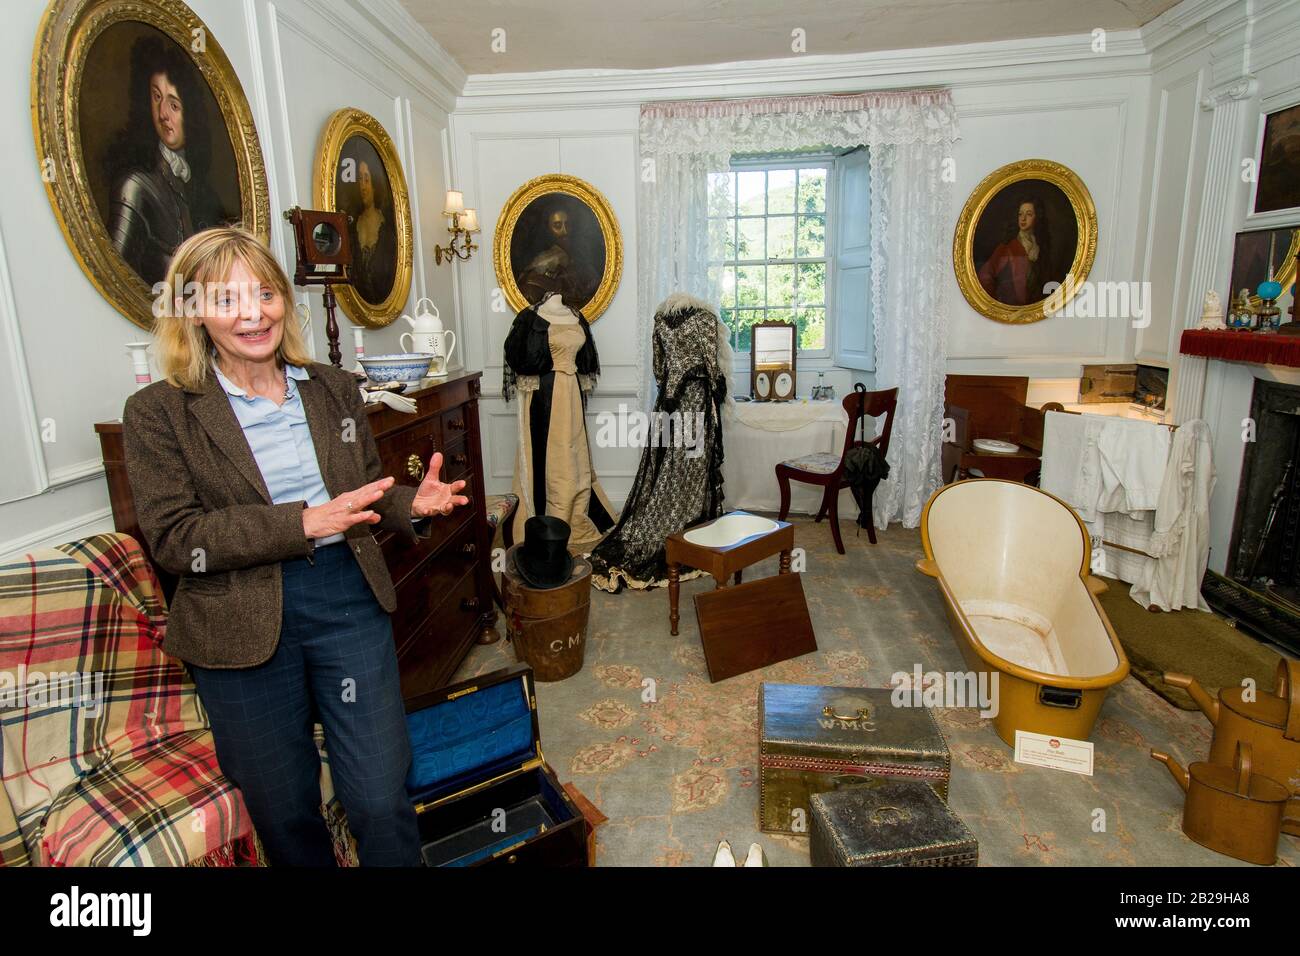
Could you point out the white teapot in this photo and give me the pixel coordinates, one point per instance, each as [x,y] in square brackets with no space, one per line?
[427,335]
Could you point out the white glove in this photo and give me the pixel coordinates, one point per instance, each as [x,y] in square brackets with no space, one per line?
[391,399]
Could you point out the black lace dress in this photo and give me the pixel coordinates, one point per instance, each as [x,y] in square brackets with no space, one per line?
[679,480]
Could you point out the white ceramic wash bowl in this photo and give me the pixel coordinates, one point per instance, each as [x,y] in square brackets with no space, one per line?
[408,367]
[730,529]
[992,446]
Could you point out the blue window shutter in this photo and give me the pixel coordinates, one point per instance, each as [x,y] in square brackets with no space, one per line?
[855,345]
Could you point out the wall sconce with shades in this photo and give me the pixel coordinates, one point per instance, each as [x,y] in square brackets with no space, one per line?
[463,224]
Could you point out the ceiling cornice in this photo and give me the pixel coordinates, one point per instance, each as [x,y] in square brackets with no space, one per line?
[1176,21]
[428,60]
[970,64]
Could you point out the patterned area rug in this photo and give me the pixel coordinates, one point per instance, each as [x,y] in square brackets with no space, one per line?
[673,760]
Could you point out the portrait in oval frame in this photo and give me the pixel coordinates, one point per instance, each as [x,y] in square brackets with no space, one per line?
[358,172]
[557,233]
[1026,225]
[144,137]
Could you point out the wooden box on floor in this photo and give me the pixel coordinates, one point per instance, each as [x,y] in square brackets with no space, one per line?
[898,823]
[815,739]
[482,791]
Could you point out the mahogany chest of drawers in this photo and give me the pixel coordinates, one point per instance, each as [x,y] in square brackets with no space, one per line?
[444,584]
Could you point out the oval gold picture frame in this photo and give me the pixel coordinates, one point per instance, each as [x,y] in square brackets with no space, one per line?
[594,200]
[67,35]
[341,127]
[1085,251]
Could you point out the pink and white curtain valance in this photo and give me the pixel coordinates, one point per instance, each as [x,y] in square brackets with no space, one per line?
[780,123]
[910,136]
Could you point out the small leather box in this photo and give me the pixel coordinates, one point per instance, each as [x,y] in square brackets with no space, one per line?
[899,823]
[816,739]
[482,791]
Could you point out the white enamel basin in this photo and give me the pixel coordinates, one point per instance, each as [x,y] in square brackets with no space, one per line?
[729,529]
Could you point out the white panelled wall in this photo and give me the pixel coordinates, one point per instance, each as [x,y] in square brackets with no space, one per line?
[495,153]
[1156,124]
[1134,120]
[501,139]
[298,61]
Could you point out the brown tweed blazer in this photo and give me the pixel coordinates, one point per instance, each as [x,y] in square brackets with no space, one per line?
[207,516]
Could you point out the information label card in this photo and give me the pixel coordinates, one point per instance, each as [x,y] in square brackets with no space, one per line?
[1056,753]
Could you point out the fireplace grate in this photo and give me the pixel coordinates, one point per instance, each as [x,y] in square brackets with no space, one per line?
[1270,616]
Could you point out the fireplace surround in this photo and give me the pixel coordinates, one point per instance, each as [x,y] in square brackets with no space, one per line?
[1260,588]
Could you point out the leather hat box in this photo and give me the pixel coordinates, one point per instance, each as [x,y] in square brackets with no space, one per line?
[482,791]
[894,823]
[815,739]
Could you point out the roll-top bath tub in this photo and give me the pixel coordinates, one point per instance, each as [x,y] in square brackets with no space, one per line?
[1012,565]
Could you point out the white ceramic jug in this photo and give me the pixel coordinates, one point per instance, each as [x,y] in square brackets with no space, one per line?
[427,335]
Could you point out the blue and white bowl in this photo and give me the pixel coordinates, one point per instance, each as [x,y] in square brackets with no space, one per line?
[408,367]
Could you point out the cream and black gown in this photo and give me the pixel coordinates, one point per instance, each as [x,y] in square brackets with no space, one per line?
[550,367]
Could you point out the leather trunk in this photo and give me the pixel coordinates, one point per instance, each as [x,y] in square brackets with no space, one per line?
[897,823]
[815,739]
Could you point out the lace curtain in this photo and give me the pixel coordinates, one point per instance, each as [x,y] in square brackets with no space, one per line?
[909,136]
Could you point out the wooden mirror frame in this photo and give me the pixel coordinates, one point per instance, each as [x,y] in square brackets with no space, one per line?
[772,367]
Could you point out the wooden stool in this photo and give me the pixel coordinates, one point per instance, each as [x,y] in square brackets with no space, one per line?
[722,563]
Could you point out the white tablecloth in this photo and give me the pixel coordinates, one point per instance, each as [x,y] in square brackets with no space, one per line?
[757,436]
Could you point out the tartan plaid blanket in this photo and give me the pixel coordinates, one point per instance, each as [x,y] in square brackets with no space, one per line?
[105,754]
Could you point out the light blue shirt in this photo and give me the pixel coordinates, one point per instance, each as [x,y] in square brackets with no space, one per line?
[281,442]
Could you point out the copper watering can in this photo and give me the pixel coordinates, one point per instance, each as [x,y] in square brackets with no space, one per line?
[1231,810]
[1270,724]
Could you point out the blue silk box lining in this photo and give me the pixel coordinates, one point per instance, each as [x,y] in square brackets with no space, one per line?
[458,743]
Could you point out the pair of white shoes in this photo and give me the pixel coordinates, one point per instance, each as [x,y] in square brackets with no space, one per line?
[724,856]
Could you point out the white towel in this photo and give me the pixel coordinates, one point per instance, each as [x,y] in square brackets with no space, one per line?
[1069,463]
[1132,456]
[1106,489]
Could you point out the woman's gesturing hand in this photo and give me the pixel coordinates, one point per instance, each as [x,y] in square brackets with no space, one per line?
[349,508]
[433,496]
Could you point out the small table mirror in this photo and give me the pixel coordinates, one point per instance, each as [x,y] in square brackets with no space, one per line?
[773,350]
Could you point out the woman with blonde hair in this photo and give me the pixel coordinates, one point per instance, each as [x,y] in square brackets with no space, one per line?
[256,480]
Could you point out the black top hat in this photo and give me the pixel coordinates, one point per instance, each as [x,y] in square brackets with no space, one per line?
[543,559]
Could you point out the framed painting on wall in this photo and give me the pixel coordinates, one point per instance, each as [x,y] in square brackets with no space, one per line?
[144,137]
[1024,229]
[558,234]
[1260,255]
[358,172]
[1279,162]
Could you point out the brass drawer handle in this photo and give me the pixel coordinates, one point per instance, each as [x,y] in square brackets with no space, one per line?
[862,714]
[460,459]
[469,604]
[458,423]
[469,549]
[415,467]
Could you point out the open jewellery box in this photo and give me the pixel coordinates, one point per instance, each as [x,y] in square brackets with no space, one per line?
[482,791]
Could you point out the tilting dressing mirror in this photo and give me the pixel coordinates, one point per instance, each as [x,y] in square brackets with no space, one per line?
[773,350]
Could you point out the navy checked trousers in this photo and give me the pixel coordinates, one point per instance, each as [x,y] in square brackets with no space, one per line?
[335,663]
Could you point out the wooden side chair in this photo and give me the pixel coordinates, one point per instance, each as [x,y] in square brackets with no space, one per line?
[827,469]
[501,514]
